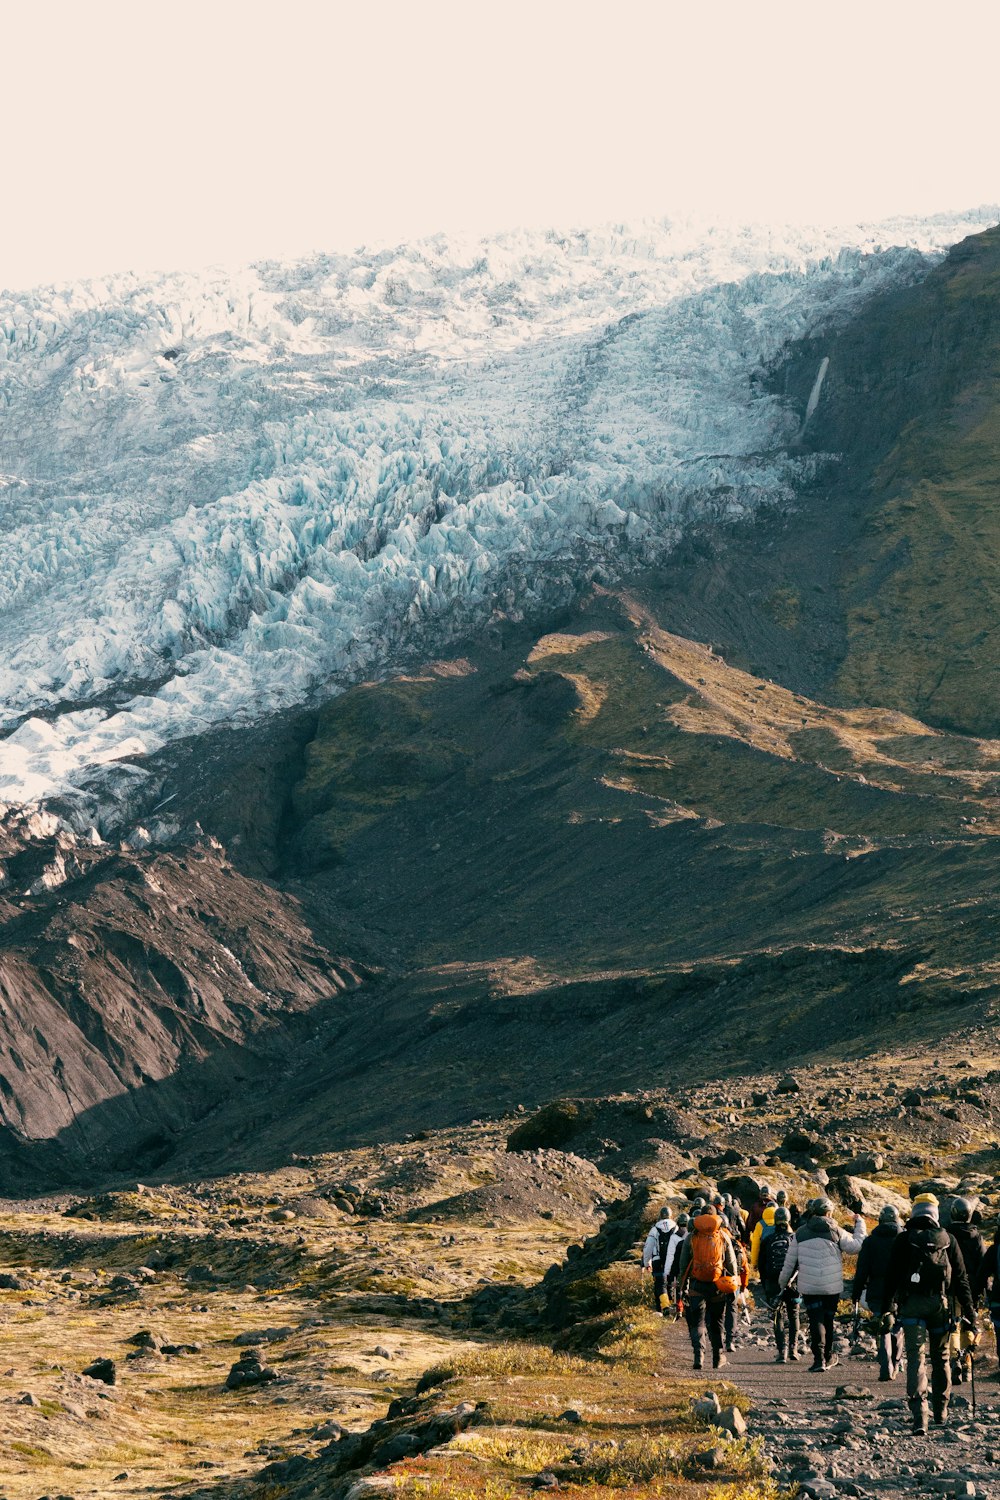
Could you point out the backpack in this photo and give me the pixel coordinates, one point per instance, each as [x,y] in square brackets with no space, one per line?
[766,1231]
[774,1254]
[928,1271]
[708,1250]
[663,1238]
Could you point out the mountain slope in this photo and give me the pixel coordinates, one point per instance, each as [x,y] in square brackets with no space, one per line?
[661,832]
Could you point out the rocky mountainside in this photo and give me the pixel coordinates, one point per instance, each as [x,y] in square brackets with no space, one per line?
[734,811]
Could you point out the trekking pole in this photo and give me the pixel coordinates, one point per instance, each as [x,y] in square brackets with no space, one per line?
[857,1323]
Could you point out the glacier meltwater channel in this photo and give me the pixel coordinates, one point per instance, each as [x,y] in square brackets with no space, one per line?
[222,493]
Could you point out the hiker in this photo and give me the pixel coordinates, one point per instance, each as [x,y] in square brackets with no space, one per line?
[737,1218]
[743,1275]
[672,1261]
[816,1251]
[762,1231]
[764,1200]
[970,1242]
[654,1254]
[869,1289]
[708,1278]
[987,1284]
[783,1302]
[926,1269]
[794,1217]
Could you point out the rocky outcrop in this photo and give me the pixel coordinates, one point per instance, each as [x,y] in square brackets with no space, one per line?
[135,994]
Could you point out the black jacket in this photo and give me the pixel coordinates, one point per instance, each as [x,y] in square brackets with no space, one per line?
[988,1278]
[970,1242]
[897,1281]
[873,1264]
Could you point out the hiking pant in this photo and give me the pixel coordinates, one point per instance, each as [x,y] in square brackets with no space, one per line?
[786,1316]
[821,1311]
[888,1345]
[657,1288]
[701,1312]
[961,1343]
[922,1341]
[729,1322]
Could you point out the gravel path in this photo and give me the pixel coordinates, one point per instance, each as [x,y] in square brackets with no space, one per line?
[844,1433]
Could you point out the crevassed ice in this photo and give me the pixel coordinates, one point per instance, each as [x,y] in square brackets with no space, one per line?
[222,492]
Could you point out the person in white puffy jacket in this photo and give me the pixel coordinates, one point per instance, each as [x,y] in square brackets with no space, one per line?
[816,1256]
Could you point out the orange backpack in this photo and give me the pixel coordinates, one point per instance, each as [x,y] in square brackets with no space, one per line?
[708,1250]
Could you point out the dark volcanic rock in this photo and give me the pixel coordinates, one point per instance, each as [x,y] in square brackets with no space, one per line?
[248,1371]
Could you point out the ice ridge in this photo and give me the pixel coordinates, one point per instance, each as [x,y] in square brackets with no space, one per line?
[223,493]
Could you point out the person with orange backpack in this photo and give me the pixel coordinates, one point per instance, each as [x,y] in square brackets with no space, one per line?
[708,1280]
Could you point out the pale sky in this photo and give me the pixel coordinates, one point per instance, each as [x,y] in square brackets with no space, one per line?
[165,133]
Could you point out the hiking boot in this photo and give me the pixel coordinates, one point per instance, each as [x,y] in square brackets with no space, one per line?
[885,1374]
[817,1367]
[781,1358]
[730,1345]
[794,1354]
[833,1360]
[698,1362]
[718,1359]
[940,1414]
[957,1374]
[918,1411]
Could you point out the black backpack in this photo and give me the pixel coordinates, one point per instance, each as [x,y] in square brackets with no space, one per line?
[663,1238]
[928,1271]
[775,1250]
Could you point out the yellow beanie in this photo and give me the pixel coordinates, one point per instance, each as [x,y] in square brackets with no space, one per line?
[925,1198]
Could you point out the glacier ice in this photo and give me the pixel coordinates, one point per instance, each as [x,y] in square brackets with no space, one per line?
[224,492]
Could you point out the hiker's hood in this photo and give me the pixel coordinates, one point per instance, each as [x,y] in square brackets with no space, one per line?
[886,1231]
[665,1223]
[767,1217]
[816,1228]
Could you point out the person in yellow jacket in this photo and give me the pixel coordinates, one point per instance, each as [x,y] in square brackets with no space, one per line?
[762,1230]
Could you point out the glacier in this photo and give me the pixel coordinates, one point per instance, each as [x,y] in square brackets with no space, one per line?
[227,492]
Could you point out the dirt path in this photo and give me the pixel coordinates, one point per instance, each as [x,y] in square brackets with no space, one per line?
[844,1433]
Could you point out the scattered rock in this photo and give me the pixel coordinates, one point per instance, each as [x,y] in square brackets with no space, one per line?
[102,1370]
[569,1415]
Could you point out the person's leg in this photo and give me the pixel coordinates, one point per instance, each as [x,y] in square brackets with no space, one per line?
[915,1336]
[776,1298]
[694,1314]
[898,1351]
[730,1323]
[657,1289]
[814,1312]
[715,1313]
[829,1329]
[939,1344]
[792,1304]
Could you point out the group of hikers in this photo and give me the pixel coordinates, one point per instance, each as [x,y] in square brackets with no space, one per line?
[919,1281]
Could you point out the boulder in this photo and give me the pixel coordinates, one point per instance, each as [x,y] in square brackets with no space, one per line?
[732,1420]
[248,1371]
[789,1085]
[745,1189]
[255,1336]
[711,1458]
[873,1196]
[939,1186]
[102,1370]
